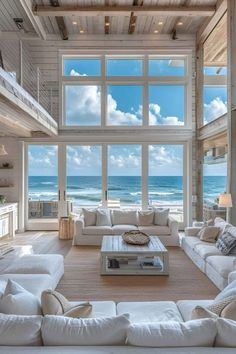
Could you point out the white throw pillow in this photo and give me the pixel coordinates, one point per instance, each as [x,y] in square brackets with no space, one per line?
[230,290]
[124,217]
[20,330]
[226,333]
[145,218]
[59,330]
[198,333]
[161,216]
[103,217]
[90,216]
[18,301]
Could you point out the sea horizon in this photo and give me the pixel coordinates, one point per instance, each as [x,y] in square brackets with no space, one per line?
[86,190]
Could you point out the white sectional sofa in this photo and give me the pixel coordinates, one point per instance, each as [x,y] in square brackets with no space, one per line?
[207,257]
[121,221]
[33,271]
[139,313]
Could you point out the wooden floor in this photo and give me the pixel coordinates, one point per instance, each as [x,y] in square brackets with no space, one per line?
[82,280]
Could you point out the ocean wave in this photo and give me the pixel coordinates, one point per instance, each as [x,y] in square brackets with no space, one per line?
[154,193]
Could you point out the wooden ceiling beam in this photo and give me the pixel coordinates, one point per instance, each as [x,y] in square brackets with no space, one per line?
[69,10]
[209,24]
[36,23]
[60,21]
[133,18]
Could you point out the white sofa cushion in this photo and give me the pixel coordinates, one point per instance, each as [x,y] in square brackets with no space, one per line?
[36,264]
[205,250]
[151,311]
[119,229]
[226,292]
[90,216]
[59,330]
[155,230]
[161,216]
[97,230]
[18,301]
[103,217]
[35,283]
[222,224]
[124,217]
[100,308]
[222,264]
[186,307]
[198,333]
[226,333]
[192,241]
[20,330]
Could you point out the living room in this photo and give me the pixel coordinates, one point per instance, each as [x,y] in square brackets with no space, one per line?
[117,165]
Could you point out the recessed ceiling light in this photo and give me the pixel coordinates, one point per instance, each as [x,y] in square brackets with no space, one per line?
[74,22]
[155,31]
[180,23]
[160,23]
[107,23]
[81,31]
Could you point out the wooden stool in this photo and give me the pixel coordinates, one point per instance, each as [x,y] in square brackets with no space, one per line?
[66,228]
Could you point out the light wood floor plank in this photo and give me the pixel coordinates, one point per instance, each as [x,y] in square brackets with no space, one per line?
[82,279]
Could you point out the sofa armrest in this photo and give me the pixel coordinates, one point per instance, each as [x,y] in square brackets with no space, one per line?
[192,231]
[232,275]
[173,225]
[78,230]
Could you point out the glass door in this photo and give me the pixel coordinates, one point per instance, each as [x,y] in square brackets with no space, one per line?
[124,170]
[42,184]
[83,176]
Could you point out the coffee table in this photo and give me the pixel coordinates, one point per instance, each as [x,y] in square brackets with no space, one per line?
[150,259]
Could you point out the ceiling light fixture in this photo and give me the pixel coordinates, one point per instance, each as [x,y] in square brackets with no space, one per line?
[81,31]
[155,31]
[74,23]
[107,23]
[160,23]
[180,23]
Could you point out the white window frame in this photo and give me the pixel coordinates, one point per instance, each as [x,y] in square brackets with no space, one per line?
[144,80]
[53,224]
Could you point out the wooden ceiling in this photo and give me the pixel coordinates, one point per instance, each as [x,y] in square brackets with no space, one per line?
[135,17]
[215,47]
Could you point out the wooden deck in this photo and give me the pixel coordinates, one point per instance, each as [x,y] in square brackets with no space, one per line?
[82,279]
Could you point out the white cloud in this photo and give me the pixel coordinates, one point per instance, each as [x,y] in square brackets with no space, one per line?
[155,116]
[214,109]
[163,155]
[123,160]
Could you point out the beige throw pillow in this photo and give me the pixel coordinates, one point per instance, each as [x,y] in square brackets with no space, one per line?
[54,303]
[225,308]
[209,233]
[145,218]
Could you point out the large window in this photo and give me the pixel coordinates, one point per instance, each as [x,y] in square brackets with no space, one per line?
[165,178]
[143,90]
[215,73]
[114,175]
[84,171]
[124,175]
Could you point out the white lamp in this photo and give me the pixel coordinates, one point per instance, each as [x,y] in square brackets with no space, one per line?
[225,200]
[3,150]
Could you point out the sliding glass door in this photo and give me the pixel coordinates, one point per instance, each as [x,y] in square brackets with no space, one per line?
[124,182]
[42,181]
[165,178]
[84,175]
[63,178]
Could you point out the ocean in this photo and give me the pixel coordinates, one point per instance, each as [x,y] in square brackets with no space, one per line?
[86,190]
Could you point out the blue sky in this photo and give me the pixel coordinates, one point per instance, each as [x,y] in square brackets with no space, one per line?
[125,106]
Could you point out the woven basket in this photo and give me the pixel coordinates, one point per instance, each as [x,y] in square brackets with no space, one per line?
[135,237]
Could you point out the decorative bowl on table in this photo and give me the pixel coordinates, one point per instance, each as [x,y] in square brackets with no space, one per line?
[135,237]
